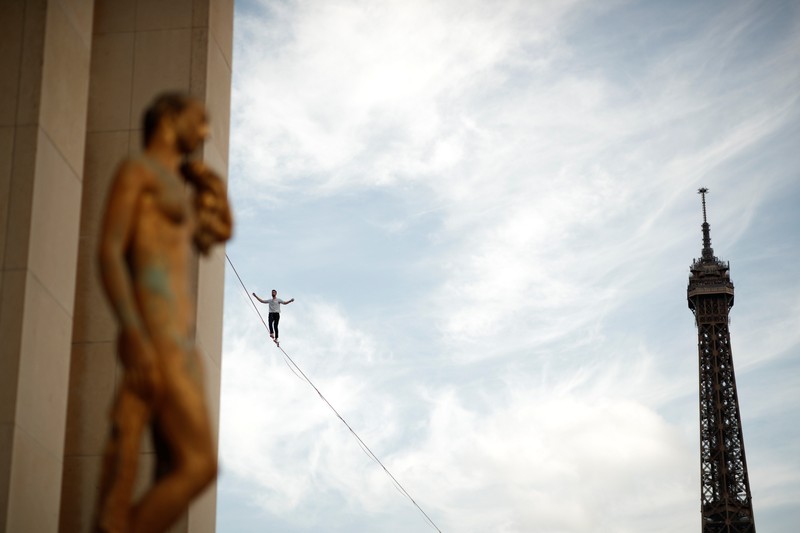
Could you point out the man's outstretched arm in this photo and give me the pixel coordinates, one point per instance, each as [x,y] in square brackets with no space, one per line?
[288,302]
[259,299]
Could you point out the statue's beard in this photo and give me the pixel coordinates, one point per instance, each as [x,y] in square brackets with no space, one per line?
[185,145]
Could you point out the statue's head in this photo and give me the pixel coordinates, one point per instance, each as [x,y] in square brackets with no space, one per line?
[177,118]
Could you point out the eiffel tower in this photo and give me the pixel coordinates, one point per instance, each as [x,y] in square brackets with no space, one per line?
[726,502]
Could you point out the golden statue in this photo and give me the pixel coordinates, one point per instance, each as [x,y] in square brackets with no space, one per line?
[151,221]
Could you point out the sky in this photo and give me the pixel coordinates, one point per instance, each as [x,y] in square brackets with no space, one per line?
[486,212]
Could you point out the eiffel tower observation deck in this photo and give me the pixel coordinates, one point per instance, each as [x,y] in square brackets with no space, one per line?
[725,498]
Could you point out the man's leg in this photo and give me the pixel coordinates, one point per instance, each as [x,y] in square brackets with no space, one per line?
[277,319]
[271,322]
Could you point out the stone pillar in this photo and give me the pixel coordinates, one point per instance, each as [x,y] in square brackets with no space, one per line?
[44,60]
[139,49]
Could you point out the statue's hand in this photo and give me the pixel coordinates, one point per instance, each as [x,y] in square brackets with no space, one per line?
[212,210]
[197,173]
[139,359]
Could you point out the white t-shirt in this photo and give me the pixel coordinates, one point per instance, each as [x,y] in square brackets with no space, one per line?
[275,305]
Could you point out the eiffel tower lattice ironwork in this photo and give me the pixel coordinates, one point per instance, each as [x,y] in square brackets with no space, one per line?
[726,502]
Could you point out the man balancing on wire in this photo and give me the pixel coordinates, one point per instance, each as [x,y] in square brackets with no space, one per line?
[274,312]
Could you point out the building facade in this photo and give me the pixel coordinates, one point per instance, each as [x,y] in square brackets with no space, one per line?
[76,77]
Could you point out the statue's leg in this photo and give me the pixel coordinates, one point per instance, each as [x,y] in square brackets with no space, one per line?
[184,425]
[129,417]
[164,461]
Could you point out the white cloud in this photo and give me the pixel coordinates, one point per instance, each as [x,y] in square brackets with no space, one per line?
[560,462]
[379,89]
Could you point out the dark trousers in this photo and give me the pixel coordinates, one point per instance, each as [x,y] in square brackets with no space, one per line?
[274,318]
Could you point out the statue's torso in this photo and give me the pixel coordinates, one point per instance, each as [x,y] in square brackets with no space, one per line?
[159,256]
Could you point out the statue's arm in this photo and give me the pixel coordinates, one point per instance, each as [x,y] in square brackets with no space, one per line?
[115,236]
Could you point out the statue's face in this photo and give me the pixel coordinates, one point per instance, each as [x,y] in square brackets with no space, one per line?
[191,127]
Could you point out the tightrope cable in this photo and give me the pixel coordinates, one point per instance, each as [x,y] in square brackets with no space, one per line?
[300,374]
